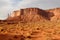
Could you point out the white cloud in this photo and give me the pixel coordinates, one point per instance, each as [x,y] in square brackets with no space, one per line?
[5,7]
[44,4]
[25,3]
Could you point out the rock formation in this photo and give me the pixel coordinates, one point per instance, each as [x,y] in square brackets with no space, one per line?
[33,15]
[29,14]
[56,12]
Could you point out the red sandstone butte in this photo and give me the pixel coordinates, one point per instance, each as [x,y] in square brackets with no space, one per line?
[30,14]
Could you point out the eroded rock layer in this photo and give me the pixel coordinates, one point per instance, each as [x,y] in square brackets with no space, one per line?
[30,14]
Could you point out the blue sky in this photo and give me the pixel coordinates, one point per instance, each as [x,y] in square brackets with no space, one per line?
[7,6]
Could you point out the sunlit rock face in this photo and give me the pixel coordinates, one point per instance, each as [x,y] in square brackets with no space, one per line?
[15,13]
[56,12]
[29,15]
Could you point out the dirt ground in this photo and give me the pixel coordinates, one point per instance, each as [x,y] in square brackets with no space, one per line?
[30,31]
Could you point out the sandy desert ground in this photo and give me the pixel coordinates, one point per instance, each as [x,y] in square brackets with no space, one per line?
[30,31]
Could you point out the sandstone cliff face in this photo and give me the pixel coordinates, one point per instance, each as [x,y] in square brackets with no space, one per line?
[56,12]
[29,14]
[33,15]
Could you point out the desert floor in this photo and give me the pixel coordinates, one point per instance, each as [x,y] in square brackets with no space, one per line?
[30,31]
